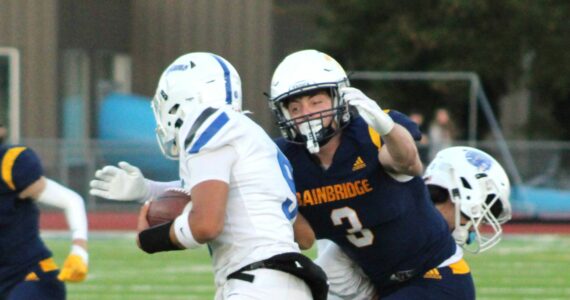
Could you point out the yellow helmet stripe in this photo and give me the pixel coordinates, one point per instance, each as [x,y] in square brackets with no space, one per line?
[8,164]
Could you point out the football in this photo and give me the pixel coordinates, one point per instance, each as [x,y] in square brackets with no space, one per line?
[167,206]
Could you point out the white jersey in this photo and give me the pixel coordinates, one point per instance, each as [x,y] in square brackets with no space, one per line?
[261,204]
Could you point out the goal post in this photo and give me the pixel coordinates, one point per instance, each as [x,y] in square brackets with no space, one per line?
[477,98]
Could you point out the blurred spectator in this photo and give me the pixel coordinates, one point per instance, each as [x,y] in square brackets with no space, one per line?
[441,132]
[3,133]
[418,118]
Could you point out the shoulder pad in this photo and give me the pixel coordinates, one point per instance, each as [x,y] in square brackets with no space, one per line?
[404,121]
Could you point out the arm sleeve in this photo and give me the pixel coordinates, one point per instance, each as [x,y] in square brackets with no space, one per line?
[156,188]
[212,165]
[72,203]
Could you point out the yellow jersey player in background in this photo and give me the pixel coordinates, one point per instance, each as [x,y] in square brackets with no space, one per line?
[27,269]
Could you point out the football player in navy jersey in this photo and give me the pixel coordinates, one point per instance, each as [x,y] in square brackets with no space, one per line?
[357,173]
[469,188]
[27,269]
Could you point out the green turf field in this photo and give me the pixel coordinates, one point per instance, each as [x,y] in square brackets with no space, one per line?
[521,267]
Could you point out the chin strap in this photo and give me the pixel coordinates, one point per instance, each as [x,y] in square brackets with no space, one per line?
[472,236]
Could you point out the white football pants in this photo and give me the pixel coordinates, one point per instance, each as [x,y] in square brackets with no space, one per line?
[347,280]
[268,284]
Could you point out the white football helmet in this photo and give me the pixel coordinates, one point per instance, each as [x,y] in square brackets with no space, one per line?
[194,78]
[304,72]
[480,190]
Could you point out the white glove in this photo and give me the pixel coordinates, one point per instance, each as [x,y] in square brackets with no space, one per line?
[368,109]
[125,183]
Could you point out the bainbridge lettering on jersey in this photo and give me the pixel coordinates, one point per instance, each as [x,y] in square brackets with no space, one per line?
[334,192]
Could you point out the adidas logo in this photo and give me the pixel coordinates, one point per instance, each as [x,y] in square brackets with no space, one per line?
[358,164]
[432,274]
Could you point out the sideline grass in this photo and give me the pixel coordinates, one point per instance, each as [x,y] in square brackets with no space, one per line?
[521,267]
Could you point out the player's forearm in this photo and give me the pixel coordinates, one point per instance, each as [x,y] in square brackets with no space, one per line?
[403,151]
[304,234]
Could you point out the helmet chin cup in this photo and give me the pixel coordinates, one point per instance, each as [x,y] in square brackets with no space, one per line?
[461,234]
[309,130]
[167,147]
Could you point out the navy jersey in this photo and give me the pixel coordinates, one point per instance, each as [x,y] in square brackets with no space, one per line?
[20,245]
[390,228]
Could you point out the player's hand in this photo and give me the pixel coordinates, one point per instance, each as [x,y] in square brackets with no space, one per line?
[142,222]
[75,265]
[368,109]
[125,183]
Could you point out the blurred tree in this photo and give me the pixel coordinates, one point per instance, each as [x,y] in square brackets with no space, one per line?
[518,47]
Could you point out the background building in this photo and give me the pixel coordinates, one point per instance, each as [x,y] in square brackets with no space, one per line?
[72,52]
[76,75]
[61,58]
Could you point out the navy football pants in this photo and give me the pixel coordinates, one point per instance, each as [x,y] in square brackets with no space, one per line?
[448,283]
[41,283]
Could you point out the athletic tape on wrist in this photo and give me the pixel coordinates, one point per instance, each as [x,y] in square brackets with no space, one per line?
[383,123]
[81,252]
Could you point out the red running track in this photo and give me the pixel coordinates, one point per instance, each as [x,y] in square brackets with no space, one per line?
[128,221]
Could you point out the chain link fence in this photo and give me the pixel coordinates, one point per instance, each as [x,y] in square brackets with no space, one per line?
[543,167]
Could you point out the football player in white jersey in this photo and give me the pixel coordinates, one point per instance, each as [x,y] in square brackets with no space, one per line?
[243,197]
[468,187]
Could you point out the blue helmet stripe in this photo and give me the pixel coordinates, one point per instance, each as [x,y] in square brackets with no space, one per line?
[207,135]
[226,78]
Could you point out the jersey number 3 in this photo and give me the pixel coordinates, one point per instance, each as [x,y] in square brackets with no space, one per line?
[356,234]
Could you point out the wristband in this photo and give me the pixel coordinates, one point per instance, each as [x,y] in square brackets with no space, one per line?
[157,239]
[183,232]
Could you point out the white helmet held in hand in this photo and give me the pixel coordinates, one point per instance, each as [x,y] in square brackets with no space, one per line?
[304,72]
[194,78]
[480,190]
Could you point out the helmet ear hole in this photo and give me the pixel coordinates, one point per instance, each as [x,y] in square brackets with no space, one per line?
[496,207]
[174,109]
[438,194]
[465,183]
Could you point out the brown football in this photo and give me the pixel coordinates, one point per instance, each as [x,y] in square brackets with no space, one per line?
[167,206]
